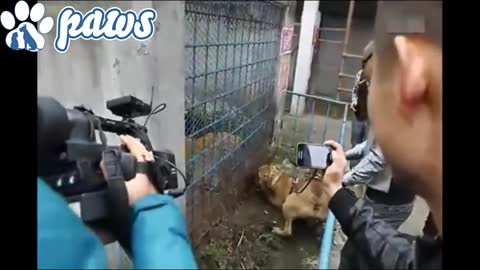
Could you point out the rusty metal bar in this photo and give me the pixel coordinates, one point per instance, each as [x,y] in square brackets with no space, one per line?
[328,232]
[343,89]
[351,7]
[332,29]
[343,75]
[349,55]
[349,25]
[331,41]
[327,99]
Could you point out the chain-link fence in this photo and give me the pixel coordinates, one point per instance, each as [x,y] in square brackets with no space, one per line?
[231,61]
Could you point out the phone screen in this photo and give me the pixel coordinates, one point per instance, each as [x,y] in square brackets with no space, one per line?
[313,156]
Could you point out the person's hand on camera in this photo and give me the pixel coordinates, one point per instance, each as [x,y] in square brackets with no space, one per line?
[139,186]
[334,173]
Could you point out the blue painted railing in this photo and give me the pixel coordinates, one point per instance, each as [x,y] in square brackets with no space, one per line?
[326,245]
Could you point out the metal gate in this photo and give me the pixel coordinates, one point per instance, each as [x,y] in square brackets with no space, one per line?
[231,60]
[319,122]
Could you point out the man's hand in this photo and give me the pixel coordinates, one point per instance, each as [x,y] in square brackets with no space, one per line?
[139,186]
[352,106]
[334,173]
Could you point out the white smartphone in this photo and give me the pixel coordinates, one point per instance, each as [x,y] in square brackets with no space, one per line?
[314,156]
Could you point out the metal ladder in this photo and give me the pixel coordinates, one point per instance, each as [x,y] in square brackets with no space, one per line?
[331,232]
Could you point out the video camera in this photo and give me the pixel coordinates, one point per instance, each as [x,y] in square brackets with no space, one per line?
[70,156]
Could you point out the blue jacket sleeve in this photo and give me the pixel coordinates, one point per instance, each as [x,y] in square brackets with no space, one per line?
[63,241]
[159,235]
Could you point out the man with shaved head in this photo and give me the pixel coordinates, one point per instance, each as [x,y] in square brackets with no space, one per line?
[405,111]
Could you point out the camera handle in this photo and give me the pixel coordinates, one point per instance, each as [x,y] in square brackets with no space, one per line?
[117,198]
[117,194]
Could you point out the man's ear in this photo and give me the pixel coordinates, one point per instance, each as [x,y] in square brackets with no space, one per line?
[412,74]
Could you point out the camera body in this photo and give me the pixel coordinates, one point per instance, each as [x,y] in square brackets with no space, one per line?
[70,155]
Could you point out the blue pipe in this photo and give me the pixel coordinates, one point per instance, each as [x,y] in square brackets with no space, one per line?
[326,246]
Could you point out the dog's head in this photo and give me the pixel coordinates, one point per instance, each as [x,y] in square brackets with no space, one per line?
[267,175]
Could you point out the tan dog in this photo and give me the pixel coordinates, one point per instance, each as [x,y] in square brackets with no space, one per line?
[295,200]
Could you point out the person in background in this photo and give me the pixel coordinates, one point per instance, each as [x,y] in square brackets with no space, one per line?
[429,229]
[405,110]
[359,99]
[159,234]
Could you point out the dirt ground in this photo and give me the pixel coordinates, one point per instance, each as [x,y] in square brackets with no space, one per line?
[245,240]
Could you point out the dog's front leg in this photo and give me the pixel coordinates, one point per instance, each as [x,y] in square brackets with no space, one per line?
[289,217]
[287,228]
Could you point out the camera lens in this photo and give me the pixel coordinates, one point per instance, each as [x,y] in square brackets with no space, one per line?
[53,127]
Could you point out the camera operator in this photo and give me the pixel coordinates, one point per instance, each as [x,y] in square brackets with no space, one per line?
[159,234]
[405,109]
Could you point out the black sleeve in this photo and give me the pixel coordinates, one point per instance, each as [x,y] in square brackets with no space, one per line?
[382,245]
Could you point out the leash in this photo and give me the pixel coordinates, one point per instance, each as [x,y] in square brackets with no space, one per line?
[294,164]
[306,185]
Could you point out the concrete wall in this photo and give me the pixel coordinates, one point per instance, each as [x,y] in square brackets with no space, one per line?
[288,21]
[92,72]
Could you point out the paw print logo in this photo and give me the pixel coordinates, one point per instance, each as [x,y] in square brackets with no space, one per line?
[26,36]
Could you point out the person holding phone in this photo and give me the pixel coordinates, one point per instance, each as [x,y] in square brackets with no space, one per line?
[389,200]
[405,110]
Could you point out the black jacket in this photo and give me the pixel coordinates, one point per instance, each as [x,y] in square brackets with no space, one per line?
[383,246]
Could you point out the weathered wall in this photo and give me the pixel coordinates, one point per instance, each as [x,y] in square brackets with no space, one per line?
[288,21]
[92,72]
